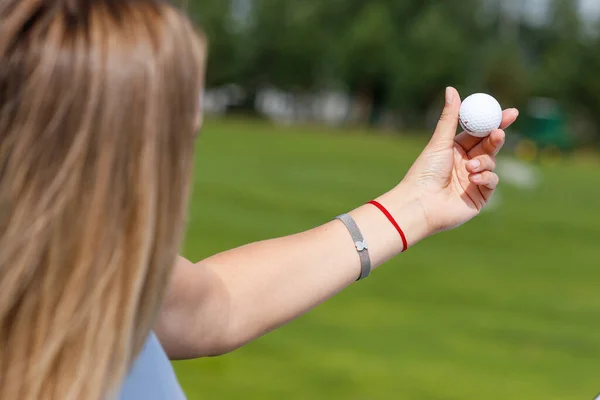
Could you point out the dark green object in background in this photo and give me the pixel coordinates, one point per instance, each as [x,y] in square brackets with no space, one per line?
[545,122]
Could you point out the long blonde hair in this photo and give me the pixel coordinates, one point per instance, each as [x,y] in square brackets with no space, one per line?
[98,100]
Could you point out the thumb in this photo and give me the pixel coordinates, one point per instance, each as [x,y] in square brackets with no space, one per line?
[445,131]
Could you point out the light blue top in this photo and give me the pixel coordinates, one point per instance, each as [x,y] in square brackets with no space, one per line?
[152,376]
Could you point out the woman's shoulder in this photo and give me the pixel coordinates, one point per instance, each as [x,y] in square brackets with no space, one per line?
[151,376]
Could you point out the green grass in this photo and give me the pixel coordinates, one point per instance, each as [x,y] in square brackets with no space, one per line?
[506,307]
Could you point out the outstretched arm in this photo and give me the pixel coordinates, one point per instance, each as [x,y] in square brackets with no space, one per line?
[234,297]
[229,299]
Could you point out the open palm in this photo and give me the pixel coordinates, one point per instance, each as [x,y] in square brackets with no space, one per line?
[454,176]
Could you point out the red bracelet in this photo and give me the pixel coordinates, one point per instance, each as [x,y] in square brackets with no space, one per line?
[393,221]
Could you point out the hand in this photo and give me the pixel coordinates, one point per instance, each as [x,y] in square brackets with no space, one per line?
[453,179]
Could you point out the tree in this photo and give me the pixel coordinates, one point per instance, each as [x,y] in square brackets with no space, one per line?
[568,68]
[440,45]
[400,54]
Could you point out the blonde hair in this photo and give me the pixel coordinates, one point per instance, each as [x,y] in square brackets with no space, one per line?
[98,101]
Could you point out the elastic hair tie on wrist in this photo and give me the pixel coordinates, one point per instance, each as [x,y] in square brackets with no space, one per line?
[393,221]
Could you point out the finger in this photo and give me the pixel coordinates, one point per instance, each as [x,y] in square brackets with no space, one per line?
[490,145]
[509,117]
[485,180]
[445,132]
[482,163]
[467,141]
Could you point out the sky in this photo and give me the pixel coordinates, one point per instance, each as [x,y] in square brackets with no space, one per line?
[590,8]
[536,11]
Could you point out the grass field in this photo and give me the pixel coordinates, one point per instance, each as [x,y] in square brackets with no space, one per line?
[506,307]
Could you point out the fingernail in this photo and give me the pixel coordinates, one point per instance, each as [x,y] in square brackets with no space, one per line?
[474,164]
[515,111]
[476,178]
[449,95]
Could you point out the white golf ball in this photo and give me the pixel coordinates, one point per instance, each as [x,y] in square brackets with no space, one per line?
[480,114]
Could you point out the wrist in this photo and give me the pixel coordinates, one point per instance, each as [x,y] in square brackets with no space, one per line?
[407,209]
[383,238]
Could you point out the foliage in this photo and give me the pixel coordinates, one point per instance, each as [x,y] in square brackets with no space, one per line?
[402,53]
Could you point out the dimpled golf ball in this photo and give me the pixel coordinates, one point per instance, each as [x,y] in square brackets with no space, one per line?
[480,114]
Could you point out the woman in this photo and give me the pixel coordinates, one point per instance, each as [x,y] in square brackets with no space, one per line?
[98,110]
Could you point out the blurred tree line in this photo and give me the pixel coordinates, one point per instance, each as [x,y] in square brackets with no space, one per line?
[400,54]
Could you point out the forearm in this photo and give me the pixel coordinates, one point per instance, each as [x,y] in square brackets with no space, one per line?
[236,296]
[253,289]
